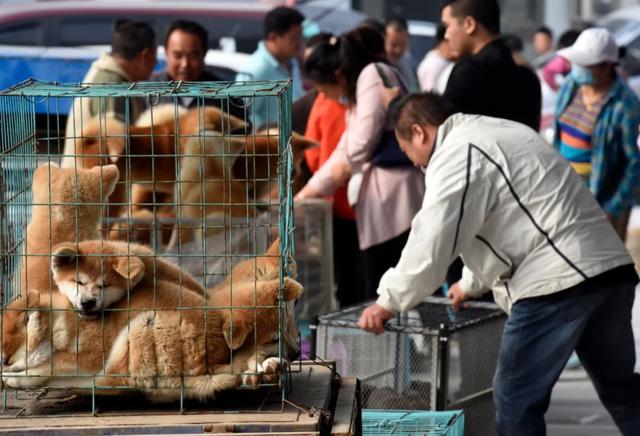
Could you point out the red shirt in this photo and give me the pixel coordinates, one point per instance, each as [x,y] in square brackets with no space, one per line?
[325,125]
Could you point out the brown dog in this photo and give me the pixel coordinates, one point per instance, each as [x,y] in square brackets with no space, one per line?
[95,286]
[66,207]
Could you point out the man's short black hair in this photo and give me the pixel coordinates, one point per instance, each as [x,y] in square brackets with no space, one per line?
[512,41]
[375,24]
[485,12]
[191,27]
[131,37]
[426,108]
[398,23]
[279,20]
[545,30]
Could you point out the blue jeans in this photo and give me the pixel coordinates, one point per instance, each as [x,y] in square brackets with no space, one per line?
[538,339]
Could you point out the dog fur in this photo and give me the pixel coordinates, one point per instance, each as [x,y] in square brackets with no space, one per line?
[145,337]
[66,207]
[95,274]
[155,348]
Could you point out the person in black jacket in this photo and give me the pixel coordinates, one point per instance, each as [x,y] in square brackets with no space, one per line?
[186,44]
[486,80]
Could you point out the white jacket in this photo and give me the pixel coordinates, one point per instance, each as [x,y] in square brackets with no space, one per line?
[523,222]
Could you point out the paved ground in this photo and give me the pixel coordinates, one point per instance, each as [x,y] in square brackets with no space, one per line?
[575,409]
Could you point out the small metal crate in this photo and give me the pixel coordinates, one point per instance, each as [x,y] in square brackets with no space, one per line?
[430,358]
[412,422]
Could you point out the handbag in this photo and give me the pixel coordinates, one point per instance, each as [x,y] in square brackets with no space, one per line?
[387,153]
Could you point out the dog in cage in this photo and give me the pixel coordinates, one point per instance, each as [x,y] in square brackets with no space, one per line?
[114,269]
[150,333]
[150,340]
[171,157]
[66,208]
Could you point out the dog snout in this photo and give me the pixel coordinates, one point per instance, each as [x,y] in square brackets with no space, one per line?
[88,304]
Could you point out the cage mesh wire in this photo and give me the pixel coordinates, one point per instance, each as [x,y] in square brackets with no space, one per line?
[176,229]
[429,358]
[408,422]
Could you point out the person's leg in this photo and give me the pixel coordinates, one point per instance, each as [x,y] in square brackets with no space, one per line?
[538,338]
[606,350]
[379,258]
[348,263]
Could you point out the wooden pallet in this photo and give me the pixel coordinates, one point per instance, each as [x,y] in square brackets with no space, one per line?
[319,403]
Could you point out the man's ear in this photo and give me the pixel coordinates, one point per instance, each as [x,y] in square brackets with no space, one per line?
[418,131]
[469,24]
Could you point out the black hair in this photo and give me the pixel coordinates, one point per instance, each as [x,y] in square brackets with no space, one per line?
[513,42]
[351,52]
[440,32]
[426,108]
[131,37]
[191,27]
[398,23]
[318,38]
[568,38]
[279,20]
[485,12]
[372,23]
[545,30]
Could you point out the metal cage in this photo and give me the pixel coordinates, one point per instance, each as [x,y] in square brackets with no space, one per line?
[429,358]
[197,190]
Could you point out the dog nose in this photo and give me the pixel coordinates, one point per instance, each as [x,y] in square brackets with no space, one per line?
[88,304]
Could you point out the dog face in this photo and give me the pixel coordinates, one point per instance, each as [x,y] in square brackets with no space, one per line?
[91,277]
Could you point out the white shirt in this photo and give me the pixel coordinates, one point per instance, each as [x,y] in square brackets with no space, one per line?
[430,69]
[522,220]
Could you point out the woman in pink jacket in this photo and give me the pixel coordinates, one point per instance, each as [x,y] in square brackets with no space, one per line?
[386,190]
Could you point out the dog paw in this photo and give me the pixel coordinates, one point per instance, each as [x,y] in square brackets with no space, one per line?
[272,368]
[251,377]
[20,380]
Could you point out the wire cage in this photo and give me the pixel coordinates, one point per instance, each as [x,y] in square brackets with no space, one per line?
[412,422]
[144,246]
[429,358]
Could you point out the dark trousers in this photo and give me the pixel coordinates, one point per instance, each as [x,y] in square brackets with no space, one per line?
[348,263]
[379,258]
[540,335]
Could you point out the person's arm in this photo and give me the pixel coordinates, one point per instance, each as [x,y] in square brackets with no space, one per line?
[453,211]
[623,197]
[369,118]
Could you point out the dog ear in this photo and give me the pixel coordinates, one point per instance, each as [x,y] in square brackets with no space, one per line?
[131,268]
[292,289]
[63,255]
[109,175]
[235,335]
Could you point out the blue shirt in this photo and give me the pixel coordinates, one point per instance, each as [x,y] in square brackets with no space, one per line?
[263,66]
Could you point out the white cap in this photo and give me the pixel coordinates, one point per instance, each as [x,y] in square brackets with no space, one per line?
[593,46]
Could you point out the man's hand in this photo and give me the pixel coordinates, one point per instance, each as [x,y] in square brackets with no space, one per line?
[306,192]
[388,95]
[373,319]
[340,172]
[457,296]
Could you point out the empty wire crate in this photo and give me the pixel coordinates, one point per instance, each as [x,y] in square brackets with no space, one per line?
[430,358]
